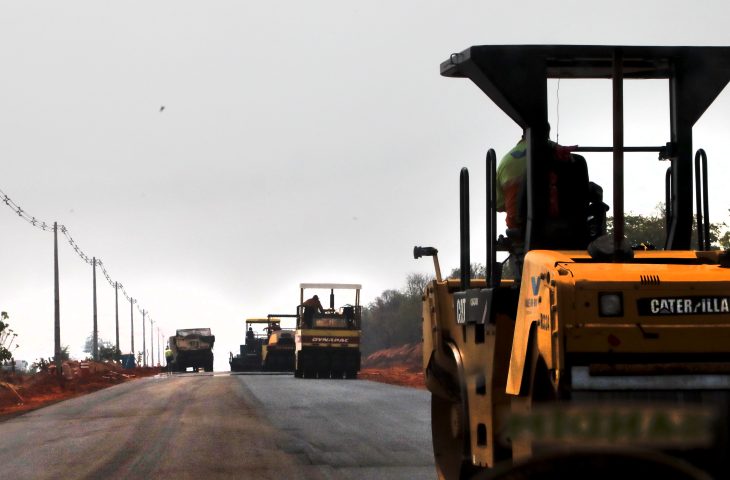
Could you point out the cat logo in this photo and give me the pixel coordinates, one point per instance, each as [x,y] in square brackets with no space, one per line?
[461,310]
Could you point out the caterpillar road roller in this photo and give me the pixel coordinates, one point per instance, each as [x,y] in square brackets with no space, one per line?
[594,359]
[277,353]
[268,347]
[328,340]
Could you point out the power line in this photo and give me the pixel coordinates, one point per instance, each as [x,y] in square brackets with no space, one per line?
[74,245]
[45,226]
[106,274]
[48,227]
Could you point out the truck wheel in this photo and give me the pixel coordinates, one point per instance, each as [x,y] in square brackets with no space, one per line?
[308,370]
[323,364]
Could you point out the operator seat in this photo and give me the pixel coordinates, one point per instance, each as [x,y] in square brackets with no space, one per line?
[566,227]
[576,214]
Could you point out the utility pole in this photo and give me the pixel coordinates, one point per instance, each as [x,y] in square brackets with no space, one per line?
[131,316]
[95,344]
[116,309]
[152,343]
[158,346]
[56,305]
[144,341]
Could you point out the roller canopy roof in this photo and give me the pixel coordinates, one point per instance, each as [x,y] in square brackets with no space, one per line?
[509,74]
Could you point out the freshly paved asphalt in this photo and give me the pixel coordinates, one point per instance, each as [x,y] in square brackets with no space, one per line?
[226,426]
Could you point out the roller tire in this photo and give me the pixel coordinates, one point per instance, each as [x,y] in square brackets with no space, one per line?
[450,437]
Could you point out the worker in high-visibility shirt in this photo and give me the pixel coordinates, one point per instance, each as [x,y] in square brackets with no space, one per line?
[168,356]
[511,173]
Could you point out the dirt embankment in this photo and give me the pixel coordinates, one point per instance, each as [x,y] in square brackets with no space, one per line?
[20,393]
[397,366]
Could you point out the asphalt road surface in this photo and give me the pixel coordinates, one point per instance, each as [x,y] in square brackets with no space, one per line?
[225,426]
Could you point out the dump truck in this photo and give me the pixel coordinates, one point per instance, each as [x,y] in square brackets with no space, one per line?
[593,358]
[192,348]
[269,348]
[328,342]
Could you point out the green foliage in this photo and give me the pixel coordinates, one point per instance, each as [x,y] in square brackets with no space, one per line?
[107,350]
[64,353]
[652,229]
[394,318]
[42,364]
[478,270]
[646,229]
[724,241]
[7,338]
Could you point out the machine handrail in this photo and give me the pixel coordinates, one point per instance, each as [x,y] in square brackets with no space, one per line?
[464,228]
[703,221]
[491,272]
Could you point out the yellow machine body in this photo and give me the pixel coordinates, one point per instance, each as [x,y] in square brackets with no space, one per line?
[674,318]
[328,340]
[600,341]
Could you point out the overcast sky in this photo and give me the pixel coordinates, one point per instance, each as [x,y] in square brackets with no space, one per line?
[300,142]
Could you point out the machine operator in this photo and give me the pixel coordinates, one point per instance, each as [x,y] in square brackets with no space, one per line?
[311,306]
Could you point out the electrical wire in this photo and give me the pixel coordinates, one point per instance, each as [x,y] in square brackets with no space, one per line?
[46,226]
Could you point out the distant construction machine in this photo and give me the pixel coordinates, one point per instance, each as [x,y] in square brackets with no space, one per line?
[277,353]
[270,348]
[328,343]
[596,360]
[192,347]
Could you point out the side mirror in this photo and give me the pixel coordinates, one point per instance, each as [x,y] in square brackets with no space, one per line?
[419,252]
